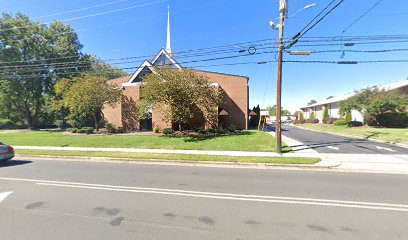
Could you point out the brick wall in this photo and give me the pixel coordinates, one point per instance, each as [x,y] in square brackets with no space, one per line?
[236,95]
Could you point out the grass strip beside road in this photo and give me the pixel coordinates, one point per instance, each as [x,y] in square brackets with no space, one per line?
[252,141]
[173,157]
[393,135]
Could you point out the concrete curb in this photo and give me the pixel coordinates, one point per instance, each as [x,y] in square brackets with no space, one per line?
[357,137]
[174,162]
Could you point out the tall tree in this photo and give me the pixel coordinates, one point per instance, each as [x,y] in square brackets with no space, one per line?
[181,93]
[33,56]
[374,103]
[85,96]
[311,102]
[100,68]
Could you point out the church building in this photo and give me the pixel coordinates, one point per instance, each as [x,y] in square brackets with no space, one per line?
[233,111]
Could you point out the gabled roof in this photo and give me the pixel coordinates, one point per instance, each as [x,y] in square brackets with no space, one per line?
[169,57]
[139,70]
[150,65]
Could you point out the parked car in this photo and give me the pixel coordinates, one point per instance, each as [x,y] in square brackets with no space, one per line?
[6,152]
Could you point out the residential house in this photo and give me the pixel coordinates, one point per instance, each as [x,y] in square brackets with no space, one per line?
[333,103]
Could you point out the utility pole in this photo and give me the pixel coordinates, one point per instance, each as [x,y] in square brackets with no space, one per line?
[283,4]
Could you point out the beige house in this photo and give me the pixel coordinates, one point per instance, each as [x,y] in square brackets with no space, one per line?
[333,104]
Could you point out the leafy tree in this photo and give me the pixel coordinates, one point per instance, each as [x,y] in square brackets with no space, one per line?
[33,56]
[272,111]
[180,94]
[311,102]
[103,69]
[329,97]
[85,96]
[374,103]
[253,122]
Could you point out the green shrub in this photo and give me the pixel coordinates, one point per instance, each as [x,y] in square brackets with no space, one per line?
[340,123]
[326,113]
[348,117]
[80,130]
[110,128]
[312,115]
[231,128]
[59,123]
[120,130]
[87,130]
[212,130]
[301,117]
[168,131]
[330,120]
[396,120]
[156,130]
[7,124]
[222,130]
[201,130]
[355,124]
[72,130]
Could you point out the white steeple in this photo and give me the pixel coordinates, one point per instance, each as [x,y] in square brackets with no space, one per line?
[168,46]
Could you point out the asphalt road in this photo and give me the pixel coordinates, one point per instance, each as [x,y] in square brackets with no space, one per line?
[329,143]
[84,200]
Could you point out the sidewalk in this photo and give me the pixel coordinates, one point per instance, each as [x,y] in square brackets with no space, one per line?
[381,163]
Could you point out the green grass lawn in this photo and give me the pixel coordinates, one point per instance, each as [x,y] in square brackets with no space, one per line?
[397,135]
[246,141]
[171,157]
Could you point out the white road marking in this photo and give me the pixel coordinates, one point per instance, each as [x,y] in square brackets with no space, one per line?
[334,148]
[269,199]
[227,196]
[4,195]
[386,149]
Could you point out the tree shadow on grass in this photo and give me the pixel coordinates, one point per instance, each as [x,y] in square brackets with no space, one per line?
[374,134]
[205,137]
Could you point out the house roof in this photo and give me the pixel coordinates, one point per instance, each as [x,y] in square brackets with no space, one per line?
[386,87]
[225,74]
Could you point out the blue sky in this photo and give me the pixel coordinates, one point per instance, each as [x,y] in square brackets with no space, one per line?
[207,23]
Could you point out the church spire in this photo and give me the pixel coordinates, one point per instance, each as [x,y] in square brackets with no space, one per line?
[168,46]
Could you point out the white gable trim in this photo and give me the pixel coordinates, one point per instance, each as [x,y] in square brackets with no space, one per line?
[172,60]
[139,70]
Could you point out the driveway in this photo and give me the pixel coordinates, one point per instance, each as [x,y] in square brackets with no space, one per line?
[330,143]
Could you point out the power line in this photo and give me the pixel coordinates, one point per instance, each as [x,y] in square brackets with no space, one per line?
[363,15]
[234,46]
[80,9]
[186,62]
[91,15]
[318,15]
[321,19]
[134,20]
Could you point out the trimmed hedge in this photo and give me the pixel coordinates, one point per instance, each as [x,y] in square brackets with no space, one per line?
[330,120]
[340,123]
[393,120]
[355,124]
[168,131]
